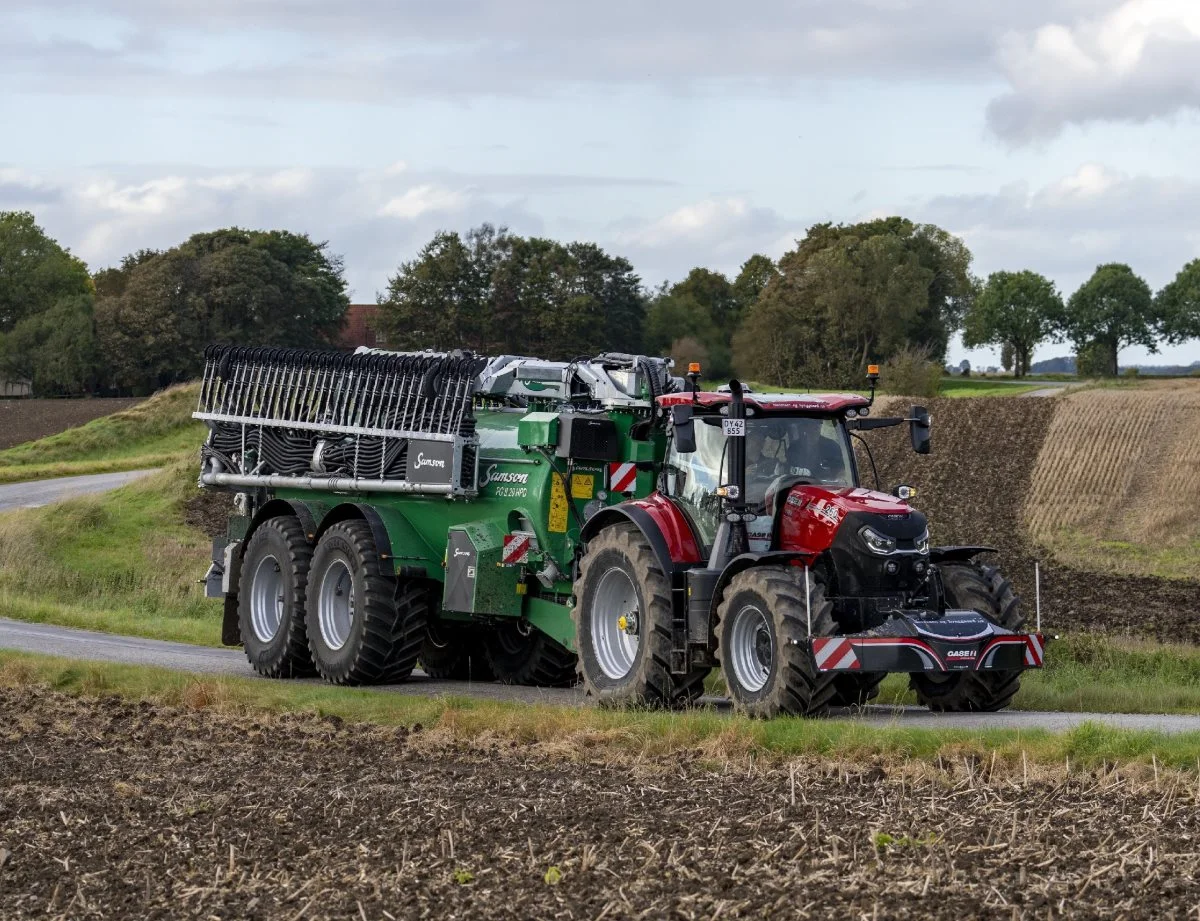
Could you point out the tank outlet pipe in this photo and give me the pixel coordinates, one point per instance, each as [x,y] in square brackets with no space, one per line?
[329,484]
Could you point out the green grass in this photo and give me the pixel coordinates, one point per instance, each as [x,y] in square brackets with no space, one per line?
[1164,561]
[983,387]
[121,562]
[591,732]
[151,434]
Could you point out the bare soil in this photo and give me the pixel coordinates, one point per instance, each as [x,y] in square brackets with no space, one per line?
[116,810]
[29,420]
[973,486]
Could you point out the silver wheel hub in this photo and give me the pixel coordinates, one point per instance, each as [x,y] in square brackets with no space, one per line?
[614,623]
[751,651]
[335,605]
[266,600]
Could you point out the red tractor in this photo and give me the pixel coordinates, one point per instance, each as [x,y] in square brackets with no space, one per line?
[761,552]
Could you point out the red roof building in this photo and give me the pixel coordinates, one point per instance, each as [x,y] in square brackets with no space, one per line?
[359,328]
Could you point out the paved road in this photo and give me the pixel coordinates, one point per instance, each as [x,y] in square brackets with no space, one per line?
[43,492]
[83,644]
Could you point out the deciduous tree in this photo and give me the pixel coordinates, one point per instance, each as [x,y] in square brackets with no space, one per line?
[1112,310]
[1017,309]
[1178,305]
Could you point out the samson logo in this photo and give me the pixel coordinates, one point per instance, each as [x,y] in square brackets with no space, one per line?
[503,476]
[423,461]
[458,553]
[961,654]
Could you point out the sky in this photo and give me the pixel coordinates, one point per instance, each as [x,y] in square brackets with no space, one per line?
[1052,135]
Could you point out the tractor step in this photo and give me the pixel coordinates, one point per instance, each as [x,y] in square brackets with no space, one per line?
[957,641]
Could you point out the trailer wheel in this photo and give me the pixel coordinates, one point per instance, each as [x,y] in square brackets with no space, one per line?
[519,654]
[623,625]
[974,587]
[271,594]
[454,652]
[363,626]
[762,642]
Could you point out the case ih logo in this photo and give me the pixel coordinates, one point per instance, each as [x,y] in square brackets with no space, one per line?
[961,654]
[504,476]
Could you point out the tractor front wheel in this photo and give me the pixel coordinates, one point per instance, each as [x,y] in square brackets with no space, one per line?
[762,642]
[623,625]
[974,587]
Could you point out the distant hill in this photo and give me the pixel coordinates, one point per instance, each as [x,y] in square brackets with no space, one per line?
[1065,364]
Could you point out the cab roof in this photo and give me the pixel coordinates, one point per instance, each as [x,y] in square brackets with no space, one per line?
[770,402]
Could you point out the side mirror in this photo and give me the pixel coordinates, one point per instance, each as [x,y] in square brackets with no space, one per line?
[919,426]
[685,429]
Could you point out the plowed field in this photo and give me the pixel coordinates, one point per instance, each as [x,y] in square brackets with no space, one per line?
[974,487]
[28,420]
[114,810]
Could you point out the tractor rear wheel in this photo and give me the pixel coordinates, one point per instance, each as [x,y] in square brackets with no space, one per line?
[454,652]
[762,642]
[517,653]
[271,599]
[363,627]
[974,587]
[623,625]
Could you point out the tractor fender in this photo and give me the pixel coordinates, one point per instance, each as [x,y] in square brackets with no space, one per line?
[395,538]
[956,554]
[744,561]
[661,523]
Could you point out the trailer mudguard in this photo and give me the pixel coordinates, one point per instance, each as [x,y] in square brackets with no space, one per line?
[395,538]
[956,554]
[309,514]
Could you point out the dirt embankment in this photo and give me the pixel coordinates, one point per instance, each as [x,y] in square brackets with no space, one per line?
[974,486]
[28,420]
[114,810]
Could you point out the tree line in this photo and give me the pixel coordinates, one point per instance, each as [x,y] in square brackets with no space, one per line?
[846,296]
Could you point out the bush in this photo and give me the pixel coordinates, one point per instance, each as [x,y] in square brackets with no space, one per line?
[911,373]
[686,350]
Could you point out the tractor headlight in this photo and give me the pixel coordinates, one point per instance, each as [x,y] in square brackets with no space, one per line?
[923,542]
[876,542]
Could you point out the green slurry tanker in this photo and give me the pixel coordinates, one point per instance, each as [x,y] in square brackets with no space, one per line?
[541,522]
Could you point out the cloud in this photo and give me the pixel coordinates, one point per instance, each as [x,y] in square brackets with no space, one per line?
[1068,227]
[1135,61]
[423,199]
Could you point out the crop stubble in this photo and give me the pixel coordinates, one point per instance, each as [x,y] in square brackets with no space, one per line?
[114,810]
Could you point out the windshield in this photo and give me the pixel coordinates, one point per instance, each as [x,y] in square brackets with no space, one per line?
[801,448]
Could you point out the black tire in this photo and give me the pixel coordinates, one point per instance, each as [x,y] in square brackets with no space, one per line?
[454,652]
[853,689]
[762,634]
[640,676]
[379,638]
[277,558]
[974,587]
[521,654]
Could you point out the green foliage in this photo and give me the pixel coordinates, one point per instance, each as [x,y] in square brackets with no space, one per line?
[1017,310]
[910,372]
[756,273]
[1006,356]
[702,307]
[553,876]
[35,272]
[161,310]
[55,349]
[1178,305]
[850,294]
[497,293]
[1113,309]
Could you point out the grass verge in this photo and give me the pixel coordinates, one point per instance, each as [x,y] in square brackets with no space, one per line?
[592,732]
[150,434]
[1165,560]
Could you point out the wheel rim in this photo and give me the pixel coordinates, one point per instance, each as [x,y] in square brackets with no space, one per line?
[751,651]
[616,648]
[335,605]
[266,600]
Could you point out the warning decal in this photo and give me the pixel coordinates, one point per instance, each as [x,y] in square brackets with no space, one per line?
[558,505]
[583,485]
[622,477]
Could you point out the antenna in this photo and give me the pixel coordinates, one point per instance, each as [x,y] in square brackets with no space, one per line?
[808,601]
[1037,592]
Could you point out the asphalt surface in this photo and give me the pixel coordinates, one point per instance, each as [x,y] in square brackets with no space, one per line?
[43,492]
[202,660]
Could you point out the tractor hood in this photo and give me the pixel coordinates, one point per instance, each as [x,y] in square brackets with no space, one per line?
[812,518]
[836,503]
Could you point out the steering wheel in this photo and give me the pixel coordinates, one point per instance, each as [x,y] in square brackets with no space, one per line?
[779,486]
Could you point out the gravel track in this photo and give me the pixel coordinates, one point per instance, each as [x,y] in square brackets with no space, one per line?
[117,810]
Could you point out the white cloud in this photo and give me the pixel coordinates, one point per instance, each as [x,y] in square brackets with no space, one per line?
[423,199]
[1135,60]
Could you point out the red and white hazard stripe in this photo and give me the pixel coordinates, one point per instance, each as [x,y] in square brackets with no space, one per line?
[516,549]
[1034,650]
[622,477]
[834,653]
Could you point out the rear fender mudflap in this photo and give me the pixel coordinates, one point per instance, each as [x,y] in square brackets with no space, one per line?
[989,649]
